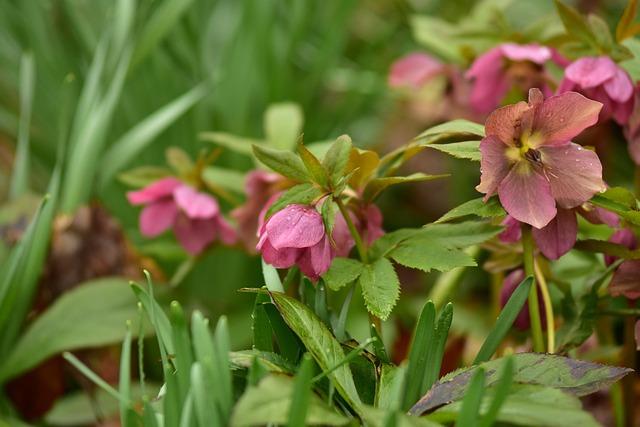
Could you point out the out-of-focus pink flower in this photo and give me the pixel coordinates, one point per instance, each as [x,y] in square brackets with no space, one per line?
[296,235]
[632,129]
[368,222]
[624,237]
[195,217]
[495,72]
[601,79]
[626,280]
[260,186]
[528,158]
[414,70]
[509,285]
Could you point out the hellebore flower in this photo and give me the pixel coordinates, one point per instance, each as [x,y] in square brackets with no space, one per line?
[414,70]
[528,159]
[495,72]
[368,223]
[626,279]
[259,186]
[195,217]
[296,235]
[624,237]
[509,285]
[558,237]
[601,79]
[632,129]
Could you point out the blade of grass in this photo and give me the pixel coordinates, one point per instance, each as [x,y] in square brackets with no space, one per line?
[202,377]
[340,327]
[301,394]
[470,409]
[500,393]
[183,357]
[378,346]
[288,342]
[186,418]
[505,320]
[222,373]
[93,377]
[20,174]
[436,350]
[124,387]
[348,358]
[260,327]
[422,338]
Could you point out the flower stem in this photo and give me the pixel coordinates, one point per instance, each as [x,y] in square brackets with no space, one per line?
[629,360]
[362,249]
[548,308]
[534,307]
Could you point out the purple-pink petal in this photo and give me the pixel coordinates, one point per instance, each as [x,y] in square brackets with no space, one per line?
[194,204]
[591,71]
[512,230]
[528,52]
[226,232]
[414,70]
[490,84]
[157,217]
[626,280]
[494,165]
[620,86]
[505,123]
[342,236]
[574,173]
[624,237]
[155,191]
[316,260]
[526,195]
[282,258]
[295,226]
[558,237]
[194,234]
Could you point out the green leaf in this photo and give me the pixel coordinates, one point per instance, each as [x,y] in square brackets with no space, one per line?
[378,185]
[476,207]
[136,139]
[284,162]
[228,179]
[91,315]
[423,335]
[270,402]
[262,332]
[427,254]
[283,125]
[156,316]
[612,203]
[501,391]
[469,150]
[601,32]
[127,415]
[303,194]
[625,25]
[179,160]
[390,386]
[575,23]
[20,173]
[470,408]
[142,176]
[435,351]
[336,159]
[329,211]
[528,405]
[342,272]
[380,287]
[288,343]
[461,234]
[232,142]
[271,361]
[316,170]
[505,320]
[301,393]
[569,375]
[318,340]
[454,127]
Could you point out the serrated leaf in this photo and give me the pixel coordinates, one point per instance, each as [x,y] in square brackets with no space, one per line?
[569,375]
[301,193]
[427,254]
[342,272]
[469,150]
[461,234]
[284,162]
[476,207]
[283,125]
[380,287]
[269,403]
[601,32]
[329,210]
[453,127]
[378,185]
[319,341]
[336,159]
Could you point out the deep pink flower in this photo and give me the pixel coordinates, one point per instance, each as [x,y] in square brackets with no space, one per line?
[195,217]
[509,285]
[528,158]
[601,79]
[624,237]
[626,280]
[368,222]
[260,187]
[296,235]
[414,70]
[495,72]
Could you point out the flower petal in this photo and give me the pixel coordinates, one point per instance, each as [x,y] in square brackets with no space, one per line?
[414,70]
[506,123]
[528,52]
[494,165]
[157,217]
[194,204]
[574,173]
[562,117]
[295,226]
[559,236]
[591,71]
[624,237]
[226,233]
[512,231]
[626,280]
[526,195]
[342,236]
[316,260]
[620,86]
[283,258]
[194,234]
[489,85]
[155,191]
[598,215]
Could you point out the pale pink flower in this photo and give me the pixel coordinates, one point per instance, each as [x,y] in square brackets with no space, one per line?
[414,70]
[506,66]
[509,285]
[194,216]
[601,79]
[528,158]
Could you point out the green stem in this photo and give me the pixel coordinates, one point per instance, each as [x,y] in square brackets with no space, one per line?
[629,360]
[534,306]
[362,249]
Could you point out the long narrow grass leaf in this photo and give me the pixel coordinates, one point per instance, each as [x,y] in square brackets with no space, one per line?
[436,350]
[422,339]
[93,377]
[470,410]
[500,393]
[301,395]
[124,386]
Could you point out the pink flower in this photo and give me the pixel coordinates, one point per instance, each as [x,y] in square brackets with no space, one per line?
[624,237]
[632,129]
[559,236]
[259,186]
[414,70]
[368,223]
[601,79]
[495,72]
[626,280]
[528,158]
[296,235]
[195,217]
[509,285]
